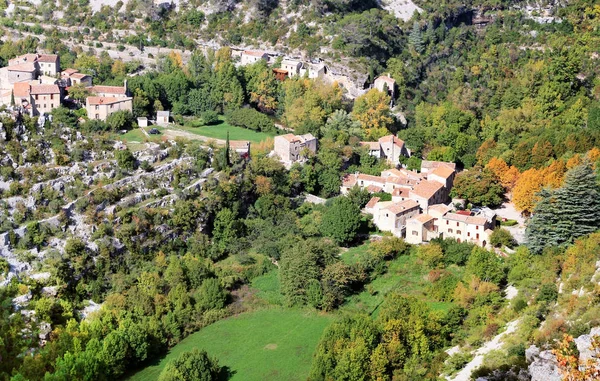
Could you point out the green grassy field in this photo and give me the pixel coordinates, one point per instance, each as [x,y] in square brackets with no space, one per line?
[219,131]
[272,344]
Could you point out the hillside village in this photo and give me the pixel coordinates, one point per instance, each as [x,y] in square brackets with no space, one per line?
[299,190]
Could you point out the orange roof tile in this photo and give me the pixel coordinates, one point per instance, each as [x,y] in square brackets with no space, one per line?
[374,189]
[390,139]
[108,89]
[372,202]
[423,218]
[28,67]
[254,53]
[443,171]
[105,100]
[385,78]
[22,89]
[47,58]
[45,89]
[427,189]
[375,179]
[402,207]
[372,145]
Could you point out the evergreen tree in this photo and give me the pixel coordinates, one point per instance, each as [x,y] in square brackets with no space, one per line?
[12,97]
[416,38]
[541,228]
[579,203]
[226,152]
[569,212]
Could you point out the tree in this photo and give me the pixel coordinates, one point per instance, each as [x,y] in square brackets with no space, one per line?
[226,230]
[194,365]
[120,120]
[415,38]
[486,265]
[478,186]
[541,227]
[579,200]
[341,221]
[125,159]
[501,238]
[570,364]
[372,111]
[210,295]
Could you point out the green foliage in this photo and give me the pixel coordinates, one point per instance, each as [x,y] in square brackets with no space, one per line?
[479,187]
[251,119]
[569,212]
[341,221]
[501,238]
[125,159]
[486,265]
[191,366]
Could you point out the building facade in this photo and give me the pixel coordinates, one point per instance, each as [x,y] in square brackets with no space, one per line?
[290,148]
[100,108]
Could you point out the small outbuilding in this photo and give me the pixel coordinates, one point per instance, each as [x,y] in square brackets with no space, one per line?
[162,118]
[142,121]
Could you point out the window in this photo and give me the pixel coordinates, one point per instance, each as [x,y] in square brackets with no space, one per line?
[456,223]
[37,97]
[52,105]
[51,96]
[97,116]
[447,222]
[450,231]
[111,106]
[476,227]
[477,236]
[44,106]
[414,232]
[458,232]
[468,234]
[97,107]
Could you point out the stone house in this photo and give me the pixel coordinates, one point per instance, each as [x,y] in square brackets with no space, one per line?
[313,71]
[388,147]
[428,166]
[74,77]
[46,64]
[392,216]
[292,67]
[45,98]
[290,148]
[23,72]
[440,222]
[252,56]
[386,83]
[100,108]
[444,175]
[427,193]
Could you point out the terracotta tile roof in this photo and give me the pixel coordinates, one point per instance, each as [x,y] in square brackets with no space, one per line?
[400,181]
[28,67]
[427,164]
[466,219]
[400,192]
[374,189]
[69,71]
[51,58]
[392,172]
[289,137]
[427,189]
[374,179]
[79,75]
[402,207]
[423,218]
[390,139]
[443,171]
[108,89]
[440,208]
[349,181]
[105,100]
[22,89]
[372,145]
[254,53]
[45,89]
[372,202]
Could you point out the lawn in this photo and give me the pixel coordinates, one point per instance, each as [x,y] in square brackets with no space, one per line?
[271,344]
[356,253]
[219,131]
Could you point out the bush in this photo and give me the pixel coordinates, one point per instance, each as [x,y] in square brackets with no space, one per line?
[125,159]
[191,366]
[209,117]
[250,119]
[548,293]
[501,238]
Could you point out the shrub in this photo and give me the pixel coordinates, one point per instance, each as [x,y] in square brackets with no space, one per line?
[209,117]
[548,293]
[501,238]
[250,119]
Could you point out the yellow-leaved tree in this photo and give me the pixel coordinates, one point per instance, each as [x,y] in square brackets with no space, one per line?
[372,111]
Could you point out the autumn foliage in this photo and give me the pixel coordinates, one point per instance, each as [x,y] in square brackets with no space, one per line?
[571,366]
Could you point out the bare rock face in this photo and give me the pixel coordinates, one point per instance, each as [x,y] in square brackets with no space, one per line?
[543,365]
